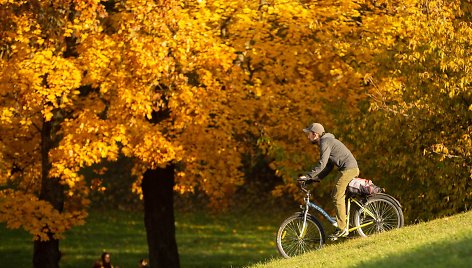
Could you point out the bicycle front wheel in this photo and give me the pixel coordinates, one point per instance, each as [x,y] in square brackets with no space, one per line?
[293,239]
[379,214]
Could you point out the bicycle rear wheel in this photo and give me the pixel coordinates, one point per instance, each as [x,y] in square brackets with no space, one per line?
[290,240]
[379,214]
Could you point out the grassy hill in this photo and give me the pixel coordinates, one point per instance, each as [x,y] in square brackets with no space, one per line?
[243,239]
[444,242]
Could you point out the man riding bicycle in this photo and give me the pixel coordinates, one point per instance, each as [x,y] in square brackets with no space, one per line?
[332,152]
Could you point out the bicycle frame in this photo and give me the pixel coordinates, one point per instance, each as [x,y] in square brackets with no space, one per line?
[332,220]
[304,230]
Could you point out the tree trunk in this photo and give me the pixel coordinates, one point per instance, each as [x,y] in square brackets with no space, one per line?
[46,253]
[158,191]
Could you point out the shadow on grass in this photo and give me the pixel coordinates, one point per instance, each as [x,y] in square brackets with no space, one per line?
[449,253]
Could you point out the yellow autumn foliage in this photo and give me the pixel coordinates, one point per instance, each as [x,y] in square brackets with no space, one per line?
[202,84]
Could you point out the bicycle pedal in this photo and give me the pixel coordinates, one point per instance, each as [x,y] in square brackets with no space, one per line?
[334,238]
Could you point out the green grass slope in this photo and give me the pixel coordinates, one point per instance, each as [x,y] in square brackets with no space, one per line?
[444,242]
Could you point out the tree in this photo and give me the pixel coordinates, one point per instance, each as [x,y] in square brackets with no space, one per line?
[169,61]
[419,128]
[186,89]
[301,62]
[94,86]
[41,88]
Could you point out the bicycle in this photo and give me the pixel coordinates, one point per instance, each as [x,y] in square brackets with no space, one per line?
[303,232]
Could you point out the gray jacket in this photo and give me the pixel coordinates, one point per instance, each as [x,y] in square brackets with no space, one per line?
[332,152]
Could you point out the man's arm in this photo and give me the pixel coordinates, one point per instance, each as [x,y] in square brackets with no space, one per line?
[315,173]
[326,171]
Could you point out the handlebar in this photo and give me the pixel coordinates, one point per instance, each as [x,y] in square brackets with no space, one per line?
[303,183]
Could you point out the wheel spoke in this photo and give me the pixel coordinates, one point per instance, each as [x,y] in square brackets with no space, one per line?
[384,213]
[293,244]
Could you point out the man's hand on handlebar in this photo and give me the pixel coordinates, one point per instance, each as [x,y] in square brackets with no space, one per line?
[305,180]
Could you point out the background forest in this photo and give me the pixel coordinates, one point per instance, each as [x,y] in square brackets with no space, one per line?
[203,102]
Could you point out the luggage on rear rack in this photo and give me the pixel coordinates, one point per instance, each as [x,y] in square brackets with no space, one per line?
[358,186]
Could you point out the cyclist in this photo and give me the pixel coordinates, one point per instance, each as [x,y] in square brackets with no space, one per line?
[332,152]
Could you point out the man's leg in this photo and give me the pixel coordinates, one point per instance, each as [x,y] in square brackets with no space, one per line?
[339,195]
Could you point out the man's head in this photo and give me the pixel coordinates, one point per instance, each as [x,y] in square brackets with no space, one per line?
[314,131]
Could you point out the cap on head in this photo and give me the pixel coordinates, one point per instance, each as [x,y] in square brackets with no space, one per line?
[315,127]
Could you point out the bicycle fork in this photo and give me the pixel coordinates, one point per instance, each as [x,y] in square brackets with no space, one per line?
[305,216]
[303,231]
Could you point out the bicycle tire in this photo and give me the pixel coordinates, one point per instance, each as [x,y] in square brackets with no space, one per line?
[388,215]
[290,244]
[389,197]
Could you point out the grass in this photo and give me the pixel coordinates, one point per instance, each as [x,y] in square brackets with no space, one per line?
[444,242]
[247,239]
[204,240]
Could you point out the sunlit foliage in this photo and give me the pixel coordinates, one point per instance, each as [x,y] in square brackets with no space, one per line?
[200,84]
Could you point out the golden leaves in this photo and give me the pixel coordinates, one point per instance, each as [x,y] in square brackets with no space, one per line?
[37,217]
[6,115]
[42,79]
[51,81]
[159,85]
[15,2]
[154,150]
[212,162]
[88,139]
[86,19]
[97,56]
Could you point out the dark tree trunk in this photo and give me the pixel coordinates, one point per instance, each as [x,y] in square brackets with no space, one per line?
[46,253]
[158,191]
